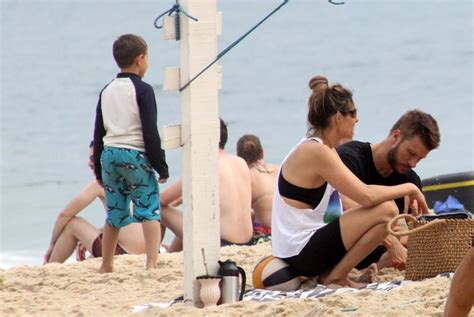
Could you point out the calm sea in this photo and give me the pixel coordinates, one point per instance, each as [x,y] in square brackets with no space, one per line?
[56,57]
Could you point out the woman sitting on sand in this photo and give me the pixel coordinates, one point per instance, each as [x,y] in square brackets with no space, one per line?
[263,176]
[309,230]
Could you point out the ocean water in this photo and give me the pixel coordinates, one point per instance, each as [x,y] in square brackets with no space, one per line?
[56,57]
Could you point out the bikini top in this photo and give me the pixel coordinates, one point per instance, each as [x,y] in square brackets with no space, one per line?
[310,196]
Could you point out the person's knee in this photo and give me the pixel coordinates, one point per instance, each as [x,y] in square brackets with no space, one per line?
[388,210]
[73,225]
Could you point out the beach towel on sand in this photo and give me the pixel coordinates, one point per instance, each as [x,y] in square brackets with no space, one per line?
[261,295]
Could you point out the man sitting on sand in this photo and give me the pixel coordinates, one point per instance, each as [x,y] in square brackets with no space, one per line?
[263,177]
[391,162]
[70,229]
[234,197]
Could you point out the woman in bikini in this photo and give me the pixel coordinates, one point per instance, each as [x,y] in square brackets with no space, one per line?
[263,177]
[309,230]
[70,230]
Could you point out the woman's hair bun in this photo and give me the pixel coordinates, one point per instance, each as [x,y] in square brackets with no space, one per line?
[318,81]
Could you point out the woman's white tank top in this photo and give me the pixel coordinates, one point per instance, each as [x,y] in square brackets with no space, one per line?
[292,227]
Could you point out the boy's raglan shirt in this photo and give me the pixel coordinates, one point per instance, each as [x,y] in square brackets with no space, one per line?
[126,117]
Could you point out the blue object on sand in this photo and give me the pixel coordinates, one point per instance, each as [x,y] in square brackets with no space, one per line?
[451,204]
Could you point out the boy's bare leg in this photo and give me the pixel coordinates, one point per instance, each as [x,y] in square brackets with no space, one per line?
[78,229]
[109,244]
[152,234]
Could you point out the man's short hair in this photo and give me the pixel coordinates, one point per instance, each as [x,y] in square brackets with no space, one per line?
[223,136]
[127,47]
[418,123]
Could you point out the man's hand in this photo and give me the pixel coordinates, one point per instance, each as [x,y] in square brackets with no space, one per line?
[413,205]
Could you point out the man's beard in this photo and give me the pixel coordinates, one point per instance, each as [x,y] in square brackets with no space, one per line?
[392,160]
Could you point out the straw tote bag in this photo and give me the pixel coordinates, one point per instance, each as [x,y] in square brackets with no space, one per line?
[435,246]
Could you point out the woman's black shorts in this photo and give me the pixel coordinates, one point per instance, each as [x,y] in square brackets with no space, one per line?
[324,250]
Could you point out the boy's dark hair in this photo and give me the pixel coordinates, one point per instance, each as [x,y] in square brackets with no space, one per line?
[127,47]
[91,144]
[418,123]
[249,148]
[223,139]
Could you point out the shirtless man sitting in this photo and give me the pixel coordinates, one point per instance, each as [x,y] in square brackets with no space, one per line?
[234,198]
[69,229]
[263,177]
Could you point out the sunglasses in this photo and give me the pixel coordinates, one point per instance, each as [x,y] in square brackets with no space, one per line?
[352,113]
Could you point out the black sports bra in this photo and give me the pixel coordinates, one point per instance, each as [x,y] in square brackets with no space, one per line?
[310,196]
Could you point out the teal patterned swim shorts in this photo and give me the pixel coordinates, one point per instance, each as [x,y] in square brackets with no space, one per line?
[128,176]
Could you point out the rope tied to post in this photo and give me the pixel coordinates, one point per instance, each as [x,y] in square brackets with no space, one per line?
[176,10]
[233,44]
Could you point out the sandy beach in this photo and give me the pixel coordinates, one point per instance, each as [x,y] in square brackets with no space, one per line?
[76,289]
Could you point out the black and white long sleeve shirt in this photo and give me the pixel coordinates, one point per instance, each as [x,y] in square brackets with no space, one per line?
[126,117]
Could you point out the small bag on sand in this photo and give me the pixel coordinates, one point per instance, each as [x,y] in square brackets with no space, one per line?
[435,245]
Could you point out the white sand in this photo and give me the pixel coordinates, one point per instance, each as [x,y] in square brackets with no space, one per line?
[77,289]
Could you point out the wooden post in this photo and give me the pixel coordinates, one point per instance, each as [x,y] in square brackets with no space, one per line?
[199,136]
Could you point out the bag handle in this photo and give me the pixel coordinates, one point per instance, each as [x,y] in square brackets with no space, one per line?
[410,218]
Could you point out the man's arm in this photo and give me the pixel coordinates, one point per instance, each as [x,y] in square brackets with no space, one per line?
[172,193]
[171,217]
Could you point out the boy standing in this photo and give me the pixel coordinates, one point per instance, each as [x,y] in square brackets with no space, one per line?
[127,150]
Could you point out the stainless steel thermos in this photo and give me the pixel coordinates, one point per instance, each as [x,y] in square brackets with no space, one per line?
[230,284]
